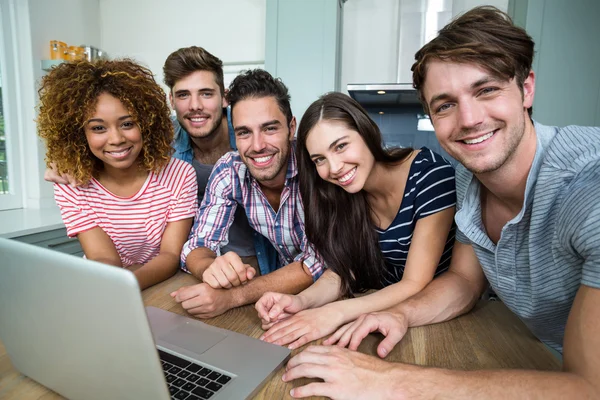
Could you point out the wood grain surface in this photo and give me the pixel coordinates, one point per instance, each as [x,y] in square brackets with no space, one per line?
[488,337]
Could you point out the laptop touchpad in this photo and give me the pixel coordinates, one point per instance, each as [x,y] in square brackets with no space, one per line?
[193,338]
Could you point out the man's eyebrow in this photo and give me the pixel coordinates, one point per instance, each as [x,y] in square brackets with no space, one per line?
[483,81]
[438,97]
[332,145]
[269,123]
[480,82]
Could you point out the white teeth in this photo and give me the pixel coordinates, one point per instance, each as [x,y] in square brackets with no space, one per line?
[120,153]
[348,176]
[198,119]
[262,159]
[479,139]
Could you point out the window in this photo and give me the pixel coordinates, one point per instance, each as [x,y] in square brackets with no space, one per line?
[10,180]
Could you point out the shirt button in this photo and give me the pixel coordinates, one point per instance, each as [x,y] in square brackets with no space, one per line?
[281,246]
[258,254]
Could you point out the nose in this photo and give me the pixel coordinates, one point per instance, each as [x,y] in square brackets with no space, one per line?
[195,103]
[335,165]
[470,114]
[258,142]
[115,137]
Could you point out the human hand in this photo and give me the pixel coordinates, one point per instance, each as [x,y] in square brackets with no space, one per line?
[51,175]
[203,301]
[392,326]
[273,307]
[228,271]
[304,327]
[346,374]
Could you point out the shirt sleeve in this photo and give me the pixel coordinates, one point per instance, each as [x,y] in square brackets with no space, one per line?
[186,204]
[579,223]
[76,214]
[436,188]
[216,212]
[308,255]
[311,259]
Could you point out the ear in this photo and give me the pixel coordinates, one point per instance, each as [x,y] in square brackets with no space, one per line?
[171,99]
[292,128]
[529,90]
[225,103]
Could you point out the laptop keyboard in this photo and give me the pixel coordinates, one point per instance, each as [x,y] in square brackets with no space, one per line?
[189,381]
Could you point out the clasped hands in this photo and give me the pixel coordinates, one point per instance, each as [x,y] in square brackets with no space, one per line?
[213,296]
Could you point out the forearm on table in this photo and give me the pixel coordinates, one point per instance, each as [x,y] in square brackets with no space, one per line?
[160,268]
[444,298]
[199,260]
[495,384]
[325,290]
[290,279]
[377,301]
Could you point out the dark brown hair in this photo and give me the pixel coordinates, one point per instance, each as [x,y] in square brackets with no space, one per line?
[188,60]
[339,224]
[68,96]
[484,36]
[256,84]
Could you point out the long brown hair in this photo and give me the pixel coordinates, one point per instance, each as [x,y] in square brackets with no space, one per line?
[338,223]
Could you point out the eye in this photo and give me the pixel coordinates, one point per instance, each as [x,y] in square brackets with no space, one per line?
[127,124]
[206,95]
[271,128]
[443,107]
[182,95]
[488,90]
[341,146]
[242,133]
[97,128]
[318,160]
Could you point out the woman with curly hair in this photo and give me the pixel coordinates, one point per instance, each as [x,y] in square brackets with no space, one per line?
[106,124]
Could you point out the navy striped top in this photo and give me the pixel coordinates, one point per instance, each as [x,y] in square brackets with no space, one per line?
[553,245]
[429,189]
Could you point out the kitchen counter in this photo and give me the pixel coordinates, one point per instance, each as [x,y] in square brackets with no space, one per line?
[27,221]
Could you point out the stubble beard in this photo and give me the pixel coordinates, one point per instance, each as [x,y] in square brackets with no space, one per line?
[265,176]
[214,129]
[514,137]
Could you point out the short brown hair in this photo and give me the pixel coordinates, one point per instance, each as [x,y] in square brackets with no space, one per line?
[484,36]
[188,60]
[68,97]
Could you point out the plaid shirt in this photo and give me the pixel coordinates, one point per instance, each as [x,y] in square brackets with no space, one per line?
[230,185]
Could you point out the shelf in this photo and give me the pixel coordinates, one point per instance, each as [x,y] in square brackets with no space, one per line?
[48,64]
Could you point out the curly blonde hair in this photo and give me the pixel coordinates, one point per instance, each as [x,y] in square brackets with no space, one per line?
[68,98]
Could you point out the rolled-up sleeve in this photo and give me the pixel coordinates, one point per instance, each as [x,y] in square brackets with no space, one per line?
[312,259]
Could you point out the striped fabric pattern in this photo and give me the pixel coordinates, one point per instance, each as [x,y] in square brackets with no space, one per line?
[231,185]
[430,188]
[553,245]
[134,224]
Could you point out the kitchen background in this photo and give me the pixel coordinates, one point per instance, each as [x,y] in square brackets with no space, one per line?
[315,46]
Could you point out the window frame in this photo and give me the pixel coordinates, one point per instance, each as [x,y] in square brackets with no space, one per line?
[9,60]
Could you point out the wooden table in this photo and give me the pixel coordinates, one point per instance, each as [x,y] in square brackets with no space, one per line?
[488,337]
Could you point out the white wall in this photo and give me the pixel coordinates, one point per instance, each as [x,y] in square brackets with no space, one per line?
[373,39]
[150,30]
[72,21]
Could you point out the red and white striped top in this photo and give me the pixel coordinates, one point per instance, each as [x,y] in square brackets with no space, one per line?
[134,224]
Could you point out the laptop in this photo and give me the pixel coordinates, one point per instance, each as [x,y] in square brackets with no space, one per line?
[80,328]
